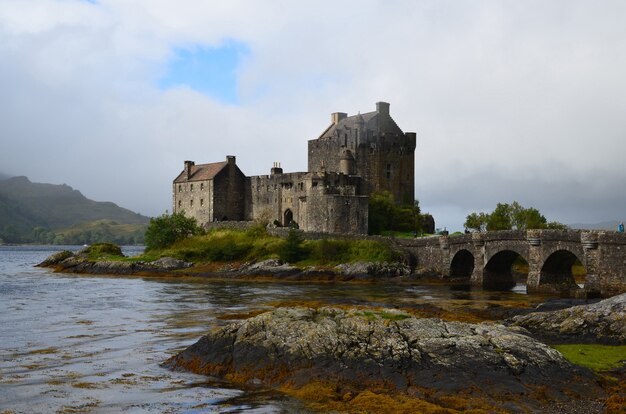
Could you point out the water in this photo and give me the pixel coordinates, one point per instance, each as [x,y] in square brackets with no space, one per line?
[94,344]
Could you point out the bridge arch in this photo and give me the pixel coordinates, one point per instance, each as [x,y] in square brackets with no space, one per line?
[498,273]
[462,265]
[557,269]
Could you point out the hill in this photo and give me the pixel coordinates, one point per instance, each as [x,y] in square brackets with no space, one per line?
[605,225]
[37,212]
[4,176]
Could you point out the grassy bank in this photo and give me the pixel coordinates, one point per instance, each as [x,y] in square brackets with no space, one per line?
[596,357]
[224,245]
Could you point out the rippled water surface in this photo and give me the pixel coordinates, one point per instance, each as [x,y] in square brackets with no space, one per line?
[73,343]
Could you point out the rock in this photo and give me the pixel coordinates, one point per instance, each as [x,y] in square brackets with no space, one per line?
[169,263]
[383,269]
[56,258]
[358,349]
[267,267]
[601,322]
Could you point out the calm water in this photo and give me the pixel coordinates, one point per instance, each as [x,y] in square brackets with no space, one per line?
[94,344]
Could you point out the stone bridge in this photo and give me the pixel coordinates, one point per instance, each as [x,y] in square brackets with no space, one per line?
[486,259]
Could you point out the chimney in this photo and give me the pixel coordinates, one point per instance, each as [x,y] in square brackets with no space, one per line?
[188,165]
[230,159]
[382,108]
[276,169]
[335,117]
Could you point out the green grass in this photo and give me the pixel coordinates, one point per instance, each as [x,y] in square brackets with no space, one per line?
[596,357]
[223,245]
[392,316]
[100,251]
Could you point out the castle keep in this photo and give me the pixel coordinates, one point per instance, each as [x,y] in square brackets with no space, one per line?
[353,157]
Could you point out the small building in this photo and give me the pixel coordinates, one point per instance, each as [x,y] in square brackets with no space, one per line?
[353,157]
[211,192]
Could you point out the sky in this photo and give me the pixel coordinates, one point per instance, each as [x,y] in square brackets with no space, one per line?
[510,100]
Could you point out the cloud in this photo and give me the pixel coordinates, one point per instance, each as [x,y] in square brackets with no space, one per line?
[510,100]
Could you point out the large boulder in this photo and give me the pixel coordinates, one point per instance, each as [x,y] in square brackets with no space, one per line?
[358,349]
[601,322]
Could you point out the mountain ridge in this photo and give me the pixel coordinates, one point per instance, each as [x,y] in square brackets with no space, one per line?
[27,208]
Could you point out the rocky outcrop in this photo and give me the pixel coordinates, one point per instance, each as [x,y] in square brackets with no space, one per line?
[69,262]
[358,349]
[601,322]
[383,269]
[268,267]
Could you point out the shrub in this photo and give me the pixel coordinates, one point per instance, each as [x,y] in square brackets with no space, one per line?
[292,249]
[165,230]
[102,249]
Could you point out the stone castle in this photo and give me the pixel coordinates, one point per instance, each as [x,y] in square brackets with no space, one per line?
[354,157]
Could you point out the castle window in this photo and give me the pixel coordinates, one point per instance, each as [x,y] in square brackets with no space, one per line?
[388,171]
[314,183]
[191,203]
[180,188]
[180,204]
[201,202]
[201,187]
[190,187]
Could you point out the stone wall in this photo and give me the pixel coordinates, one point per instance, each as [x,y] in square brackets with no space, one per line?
[229,193]
[194,199]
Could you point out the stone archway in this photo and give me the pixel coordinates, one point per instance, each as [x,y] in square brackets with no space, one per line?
[287,218]
[557,270]
[462,265]
[498,273]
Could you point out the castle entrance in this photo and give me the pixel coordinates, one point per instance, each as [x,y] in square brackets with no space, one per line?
[287,218]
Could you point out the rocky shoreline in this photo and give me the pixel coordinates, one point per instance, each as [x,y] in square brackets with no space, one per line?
[70,262]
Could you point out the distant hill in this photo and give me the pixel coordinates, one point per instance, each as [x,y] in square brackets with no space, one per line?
[605,225]
[35,211]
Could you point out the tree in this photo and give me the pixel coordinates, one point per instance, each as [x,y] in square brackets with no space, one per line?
[476,221]
[510,216]
[385,215]
[292,249]
[380,212]
[500,219]
[165,230]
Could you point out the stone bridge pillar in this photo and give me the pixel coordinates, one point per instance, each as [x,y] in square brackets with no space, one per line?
[591,261]
[444,244]
[535,259]
[478,250]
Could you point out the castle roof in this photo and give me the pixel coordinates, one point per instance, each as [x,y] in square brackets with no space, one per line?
[374,121]
[201,172]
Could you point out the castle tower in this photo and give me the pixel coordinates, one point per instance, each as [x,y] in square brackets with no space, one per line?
[346,162]
[383,154]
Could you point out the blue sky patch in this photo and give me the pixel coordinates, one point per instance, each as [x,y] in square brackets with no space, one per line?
[209,70]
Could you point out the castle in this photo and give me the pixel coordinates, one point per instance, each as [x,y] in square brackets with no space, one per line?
[354,157]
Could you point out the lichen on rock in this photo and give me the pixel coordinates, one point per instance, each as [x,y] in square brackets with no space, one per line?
[359,351]
[601,322]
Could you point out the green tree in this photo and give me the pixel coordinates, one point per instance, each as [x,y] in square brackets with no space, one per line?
[292,249]
[500,218]
[530,218]
[510,216]
[165,230]
[380,215]
[385,215]
[476,221]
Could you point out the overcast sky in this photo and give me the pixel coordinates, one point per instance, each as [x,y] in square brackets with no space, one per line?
[511,100]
